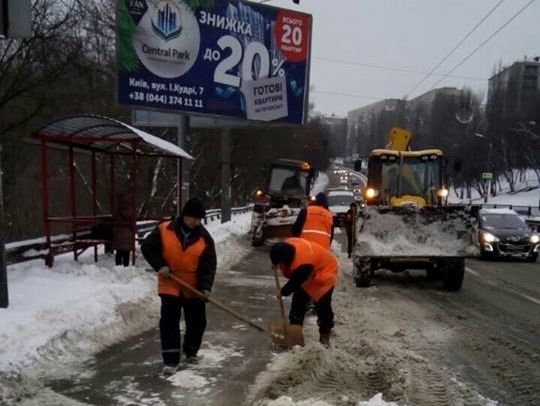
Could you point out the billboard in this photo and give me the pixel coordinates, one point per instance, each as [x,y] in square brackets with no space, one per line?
[227,58]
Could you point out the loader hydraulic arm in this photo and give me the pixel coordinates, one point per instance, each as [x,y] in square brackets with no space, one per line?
[398,139]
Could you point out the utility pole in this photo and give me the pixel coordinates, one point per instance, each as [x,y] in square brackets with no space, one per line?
[226,175]
[4,300]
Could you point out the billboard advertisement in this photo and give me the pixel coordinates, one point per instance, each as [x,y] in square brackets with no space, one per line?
[227,58]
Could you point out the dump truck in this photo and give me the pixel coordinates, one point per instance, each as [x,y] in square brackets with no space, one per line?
[278,203]
[406,222]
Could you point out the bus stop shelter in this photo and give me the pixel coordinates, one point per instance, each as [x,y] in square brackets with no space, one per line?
[97,135]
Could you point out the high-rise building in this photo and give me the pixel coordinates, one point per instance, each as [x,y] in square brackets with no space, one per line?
[516,90]
[366,122]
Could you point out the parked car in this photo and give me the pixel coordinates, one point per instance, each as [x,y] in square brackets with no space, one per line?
[339,202]
[502,233]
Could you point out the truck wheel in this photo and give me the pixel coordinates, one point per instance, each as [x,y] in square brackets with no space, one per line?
[257,241]
[433,274]
[484,255]
[362,274]
[452,275]
[532,258]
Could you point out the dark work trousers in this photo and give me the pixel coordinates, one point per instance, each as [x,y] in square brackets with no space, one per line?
[349,242]
[323,307]
[169,326]
[122,257]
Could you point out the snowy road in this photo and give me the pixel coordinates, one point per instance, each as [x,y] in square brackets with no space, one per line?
[128,374]
[404,339]
[485,335]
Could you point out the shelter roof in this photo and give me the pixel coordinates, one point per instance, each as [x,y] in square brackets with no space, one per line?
[105,134]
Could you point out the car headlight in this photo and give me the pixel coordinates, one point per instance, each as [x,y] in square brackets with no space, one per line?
[371,193]
[534,239]
[442,192]
[488,237]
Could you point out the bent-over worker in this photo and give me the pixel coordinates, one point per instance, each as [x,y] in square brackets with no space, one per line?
[312,272]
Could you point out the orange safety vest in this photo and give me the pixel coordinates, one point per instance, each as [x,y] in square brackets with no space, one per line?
[183,263]
[325,269]
[318,226]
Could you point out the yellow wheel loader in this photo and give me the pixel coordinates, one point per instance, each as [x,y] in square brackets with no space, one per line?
[406,222]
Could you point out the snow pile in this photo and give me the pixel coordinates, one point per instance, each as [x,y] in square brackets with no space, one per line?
[60,317]
[230,240]
[288,401]
[372,360]
[377,400]
[67,313]
[188,379]
[413,234]
[331,375]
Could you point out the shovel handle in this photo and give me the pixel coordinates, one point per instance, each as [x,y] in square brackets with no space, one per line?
[220,305]
[280,300]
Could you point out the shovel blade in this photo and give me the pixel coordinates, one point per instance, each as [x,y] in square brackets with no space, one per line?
[286,336]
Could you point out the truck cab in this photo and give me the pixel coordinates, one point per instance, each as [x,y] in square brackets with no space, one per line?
[278,203]
[401,178]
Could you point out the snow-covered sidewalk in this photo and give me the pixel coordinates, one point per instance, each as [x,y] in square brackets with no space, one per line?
[60,317]
[527,193]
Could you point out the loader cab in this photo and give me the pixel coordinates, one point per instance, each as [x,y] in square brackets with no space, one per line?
[404,178]
[288,182]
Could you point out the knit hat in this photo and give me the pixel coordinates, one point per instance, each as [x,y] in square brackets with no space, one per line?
[321,199]
[194,208]
[282,253]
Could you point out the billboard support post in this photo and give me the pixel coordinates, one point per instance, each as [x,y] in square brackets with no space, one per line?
[183,175]
[225,175]
[4,300]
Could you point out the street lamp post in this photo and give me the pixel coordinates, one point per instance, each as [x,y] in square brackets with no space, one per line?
[490,147]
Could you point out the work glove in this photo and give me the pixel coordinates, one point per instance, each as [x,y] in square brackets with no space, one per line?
[206,294]
[286,290]
[165,271]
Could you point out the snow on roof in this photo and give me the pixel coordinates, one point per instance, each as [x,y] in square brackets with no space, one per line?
[102,133]
[158,142]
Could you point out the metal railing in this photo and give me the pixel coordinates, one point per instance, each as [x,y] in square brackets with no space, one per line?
[21,252]
[215,214]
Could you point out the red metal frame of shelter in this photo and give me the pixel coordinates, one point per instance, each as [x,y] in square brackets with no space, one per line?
[97,134]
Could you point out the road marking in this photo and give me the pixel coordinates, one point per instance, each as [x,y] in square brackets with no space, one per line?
[515,292]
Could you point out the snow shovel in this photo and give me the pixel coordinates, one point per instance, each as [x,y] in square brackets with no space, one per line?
[277,339]
[290,334]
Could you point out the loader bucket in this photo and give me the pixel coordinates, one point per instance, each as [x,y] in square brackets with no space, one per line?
[410,231]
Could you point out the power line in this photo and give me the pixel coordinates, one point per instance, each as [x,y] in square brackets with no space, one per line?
[389,68]
[430,73]
[521,10]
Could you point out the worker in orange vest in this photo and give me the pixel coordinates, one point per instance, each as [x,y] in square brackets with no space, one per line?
[315,222]
[312,272]
[182,247]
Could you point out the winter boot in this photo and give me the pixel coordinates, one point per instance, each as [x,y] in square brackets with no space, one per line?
[324,339]
[169,370]
[192,358]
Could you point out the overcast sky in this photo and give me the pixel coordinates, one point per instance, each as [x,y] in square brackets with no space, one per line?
[411,35]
